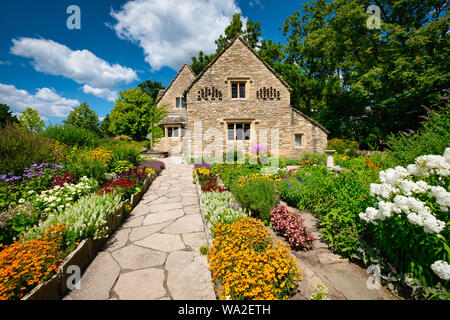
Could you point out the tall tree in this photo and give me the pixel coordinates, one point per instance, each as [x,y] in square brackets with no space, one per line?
[83,117]
[30,120]
[133,114]
[364,83]
[151,88]
[104,127]
[6,115]
[250,34]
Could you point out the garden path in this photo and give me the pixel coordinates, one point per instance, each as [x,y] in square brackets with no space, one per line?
[320,266]
[155,254]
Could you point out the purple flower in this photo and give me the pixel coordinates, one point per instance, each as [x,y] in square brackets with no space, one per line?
[405,134]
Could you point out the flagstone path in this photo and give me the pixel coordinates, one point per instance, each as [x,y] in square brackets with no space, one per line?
[155,254]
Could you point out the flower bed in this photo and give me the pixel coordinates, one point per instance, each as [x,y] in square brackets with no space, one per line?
[249,264]
[93,216]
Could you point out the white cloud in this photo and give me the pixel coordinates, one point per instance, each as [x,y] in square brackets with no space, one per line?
[82,66]
[107,94]
[171,31]
[46,101]
[5,62]
[256,3]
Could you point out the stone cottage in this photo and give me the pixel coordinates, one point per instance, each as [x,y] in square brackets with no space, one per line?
[237,102]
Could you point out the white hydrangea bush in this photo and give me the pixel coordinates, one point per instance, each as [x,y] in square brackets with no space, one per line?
[403,192]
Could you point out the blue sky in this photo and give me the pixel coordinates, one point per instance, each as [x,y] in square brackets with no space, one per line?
[46,66]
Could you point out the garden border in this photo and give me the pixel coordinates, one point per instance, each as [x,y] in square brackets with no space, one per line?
[56,287]
[205,222]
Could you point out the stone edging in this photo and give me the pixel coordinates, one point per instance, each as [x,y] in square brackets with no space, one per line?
[56,287]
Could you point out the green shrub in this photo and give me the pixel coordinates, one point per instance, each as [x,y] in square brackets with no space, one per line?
[91,168]
[432,138]
[230,174]
[72,136]
[123,151]
[343,146]
[259,196]
[19,149]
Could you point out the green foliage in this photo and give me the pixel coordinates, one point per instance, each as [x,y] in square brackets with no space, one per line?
[104,127]
[204,250]
[20,148]
[432,138]
[320,293]
[258,196]
[6,115]
[83,117]
[134,114]
[231,173]
[151,88]
[30,120]
[121,165]
[92,168]
[72,135]
[343,146]
[123,151]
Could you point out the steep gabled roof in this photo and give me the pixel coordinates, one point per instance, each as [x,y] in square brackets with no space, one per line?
[173,81]
[311,120]
[251,50]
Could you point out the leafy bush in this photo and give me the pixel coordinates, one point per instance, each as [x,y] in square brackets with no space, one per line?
[220,207]
[231,173]
[291,226]
[72,135]
[92,168]
[432,138]
[123,151]
[85,219]
[258,196]
[343,146]
[250,264]
[25,264]
[20,148]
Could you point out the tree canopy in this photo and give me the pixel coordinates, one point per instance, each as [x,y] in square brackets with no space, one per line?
[6,115]
[83,117]
[134,113]
[30,120]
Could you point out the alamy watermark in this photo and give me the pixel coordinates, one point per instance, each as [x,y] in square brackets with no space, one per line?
[374,21]
[73,22]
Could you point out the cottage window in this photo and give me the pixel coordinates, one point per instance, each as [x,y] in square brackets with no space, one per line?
[238,131]
[180,103]
[238,90]
[298,140]
[175,132]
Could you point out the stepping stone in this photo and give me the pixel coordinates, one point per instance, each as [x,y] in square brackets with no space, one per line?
[159,200]
[141,285]
[192,210]
[195,240]
[178,259]
[143,232]
[118,240]
[330,258]
[98,279]
[158,208]
[133,222]
[187,224]
[162,242]
[174,193]
[191,281]
[189,201]
[134,257]
[161,192]
[140,210]
[162,217]
[150,198]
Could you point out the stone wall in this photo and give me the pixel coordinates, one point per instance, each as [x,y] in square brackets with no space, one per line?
[266,106]
[181,82]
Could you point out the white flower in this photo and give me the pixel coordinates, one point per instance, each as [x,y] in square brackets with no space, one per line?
[22,200]
[441,269]
[393,176]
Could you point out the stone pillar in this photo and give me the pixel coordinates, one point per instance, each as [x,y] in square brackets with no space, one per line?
[330,160]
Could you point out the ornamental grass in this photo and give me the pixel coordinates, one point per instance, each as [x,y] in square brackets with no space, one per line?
[250,264]
[25,264]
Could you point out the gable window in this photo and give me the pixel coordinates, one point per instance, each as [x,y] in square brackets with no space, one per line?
[238,90]
[299,140]
[180,103]
[238,131]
